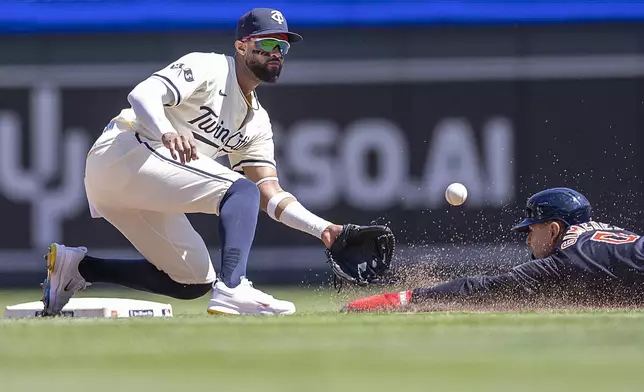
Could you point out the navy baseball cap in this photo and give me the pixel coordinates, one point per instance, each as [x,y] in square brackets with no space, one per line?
[262,21]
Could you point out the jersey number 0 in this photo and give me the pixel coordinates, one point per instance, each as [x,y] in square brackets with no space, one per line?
[614,238]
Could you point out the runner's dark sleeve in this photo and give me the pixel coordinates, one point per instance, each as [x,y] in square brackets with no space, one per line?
[526,278]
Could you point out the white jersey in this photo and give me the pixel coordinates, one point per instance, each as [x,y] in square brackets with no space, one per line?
[209,103]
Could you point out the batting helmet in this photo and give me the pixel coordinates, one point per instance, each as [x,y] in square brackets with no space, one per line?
[563,204]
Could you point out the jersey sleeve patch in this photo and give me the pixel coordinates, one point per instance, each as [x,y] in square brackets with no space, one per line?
[185,75]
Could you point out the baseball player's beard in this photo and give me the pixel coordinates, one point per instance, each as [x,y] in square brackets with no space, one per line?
[263,73]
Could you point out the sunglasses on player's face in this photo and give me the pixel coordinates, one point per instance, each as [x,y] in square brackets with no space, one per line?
[269,44]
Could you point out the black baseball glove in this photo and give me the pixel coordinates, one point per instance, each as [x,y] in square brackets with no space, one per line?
[361,255]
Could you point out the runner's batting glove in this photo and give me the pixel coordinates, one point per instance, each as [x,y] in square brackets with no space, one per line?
[361,255]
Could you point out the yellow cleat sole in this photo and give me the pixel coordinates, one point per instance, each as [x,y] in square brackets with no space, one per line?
[222,312]
[51,259]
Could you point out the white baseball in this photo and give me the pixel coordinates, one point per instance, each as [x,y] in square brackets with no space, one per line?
[456,194]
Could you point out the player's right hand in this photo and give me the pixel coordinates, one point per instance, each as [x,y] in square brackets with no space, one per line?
[181,147]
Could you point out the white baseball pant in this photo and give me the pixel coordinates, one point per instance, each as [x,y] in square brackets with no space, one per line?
[141,190]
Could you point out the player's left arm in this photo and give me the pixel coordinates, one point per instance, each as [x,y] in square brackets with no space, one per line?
[285,208]
[257,162]
[528,278]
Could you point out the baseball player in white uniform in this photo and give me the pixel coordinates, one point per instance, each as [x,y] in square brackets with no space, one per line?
[155,162]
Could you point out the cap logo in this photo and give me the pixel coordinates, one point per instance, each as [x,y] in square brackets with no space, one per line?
[277,16]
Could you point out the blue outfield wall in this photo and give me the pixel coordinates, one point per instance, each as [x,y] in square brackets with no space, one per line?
[145,15]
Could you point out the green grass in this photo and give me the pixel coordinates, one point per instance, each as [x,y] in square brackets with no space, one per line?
[320,349]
